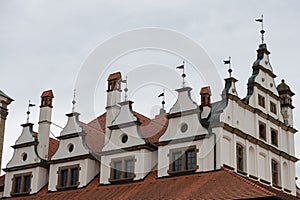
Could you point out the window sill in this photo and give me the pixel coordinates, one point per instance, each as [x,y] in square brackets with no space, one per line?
[183,172]
[265,182]
[66,187]
[277,186]
[287,190]
[19,194]
[122,180]
[253,177]
[242,172]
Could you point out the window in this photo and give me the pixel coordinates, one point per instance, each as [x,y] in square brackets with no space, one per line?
[240,157]
[183,160]
[275,173]
[273,108]
[21,184]
[274,137]
[122,169]
[262,131]
[68,177]
[261,101]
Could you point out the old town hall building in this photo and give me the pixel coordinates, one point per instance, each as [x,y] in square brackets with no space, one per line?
[235,148]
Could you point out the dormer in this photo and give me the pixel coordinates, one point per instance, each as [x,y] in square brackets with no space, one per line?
[26,173]
[127,155]
[179,147]
[72,166]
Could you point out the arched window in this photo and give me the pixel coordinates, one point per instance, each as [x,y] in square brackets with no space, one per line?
[275,172]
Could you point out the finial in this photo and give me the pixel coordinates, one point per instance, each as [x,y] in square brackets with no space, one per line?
[262,31]
[228,62]
[73,101]
[28,110]
[163,101]
[183,75]
[126,89]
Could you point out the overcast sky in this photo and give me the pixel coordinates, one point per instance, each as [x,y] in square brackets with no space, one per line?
[46,44]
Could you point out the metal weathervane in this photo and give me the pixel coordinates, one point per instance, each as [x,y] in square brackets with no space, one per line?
[163,101]
[228,62]
[183,75]
[28,110]
[126,88]
[73,101]
[262,31]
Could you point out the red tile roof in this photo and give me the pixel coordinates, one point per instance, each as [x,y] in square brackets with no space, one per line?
[222,184]
[151,129]
[116,75]
[205,90]
[53,145]
[47,93]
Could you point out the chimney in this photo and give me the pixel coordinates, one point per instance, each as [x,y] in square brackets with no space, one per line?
[205,95]
[113,98]
[44,123]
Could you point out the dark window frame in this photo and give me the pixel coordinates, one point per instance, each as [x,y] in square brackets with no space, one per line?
[185,164]
[275,172]
[240,158]
[23,188]
[262,131]
[273,107]
[71,179]
[274,137]
[261,101]
[124,174]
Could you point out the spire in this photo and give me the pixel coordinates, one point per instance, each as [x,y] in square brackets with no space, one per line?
[183,75]
[28,110]
[262,31]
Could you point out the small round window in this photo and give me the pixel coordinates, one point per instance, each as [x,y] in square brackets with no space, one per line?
[124,138]
[183,127]
[70,147]
[24,156]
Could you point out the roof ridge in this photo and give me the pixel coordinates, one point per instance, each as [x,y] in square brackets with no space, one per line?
[246,180]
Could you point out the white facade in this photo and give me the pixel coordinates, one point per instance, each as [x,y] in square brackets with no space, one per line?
[253,136]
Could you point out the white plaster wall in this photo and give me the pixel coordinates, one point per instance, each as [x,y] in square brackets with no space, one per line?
[184,101]
[142,165]
[226,151]
[125,115]
[113,98]
[173,131]
[17,159]
[88,170]
[115,140]
[72,125]
[63,149]
[235,116]
[25,136]
[38,181]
